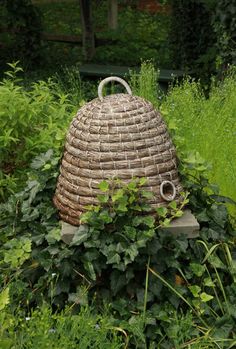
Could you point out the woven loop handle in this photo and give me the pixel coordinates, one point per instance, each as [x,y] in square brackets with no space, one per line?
[166,195]
[112,78]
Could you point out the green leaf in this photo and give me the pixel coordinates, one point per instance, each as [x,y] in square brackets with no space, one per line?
[132,186]
[42,159]
[118,195]
[197,269]
[208,282]
[118,280]
[114,259]
[162,211]
[147,194]
[173,205]
[149,221]
[90,269]
[103,199]
[4,298]
[132,252]
[166,222]
[53,236]
[178,213]
[130,232]
[216,262]
[81,235]
[224,199]
[103,186]
[195,290]
[205,297]
[105,216]
[142,181]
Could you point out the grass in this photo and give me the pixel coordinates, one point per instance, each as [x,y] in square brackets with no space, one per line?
[43,329]
[201,124]
[207,125]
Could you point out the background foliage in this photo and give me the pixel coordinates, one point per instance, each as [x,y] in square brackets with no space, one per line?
[24,23]
[158,290]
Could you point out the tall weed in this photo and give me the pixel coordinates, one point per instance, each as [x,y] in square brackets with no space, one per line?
[207,125]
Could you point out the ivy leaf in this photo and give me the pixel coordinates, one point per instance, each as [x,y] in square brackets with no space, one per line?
[197,269]
[195,290]
[132,186]
[208,282]
[216,262]
[4,298]
[131,252]
[103,186]
[53,236]
[103,199]
[105,216]
[149,221]
[178,213]
[114,259]
[205,297]
[118,280]
[118,195]
[166,222]
[147,194]
[173,205]
[130,232]
[81,235]
[162,211]
[142,181]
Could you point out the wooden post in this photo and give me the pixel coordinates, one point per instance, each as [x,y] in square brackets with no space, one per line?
[112,14]
[87,29]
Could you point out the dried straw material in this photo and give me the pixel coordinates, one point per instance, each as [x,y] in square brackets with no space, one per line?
[118,136]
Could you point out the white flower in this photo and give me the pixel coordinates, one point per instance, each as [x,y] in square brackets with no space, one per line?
[52,330]
[27,318]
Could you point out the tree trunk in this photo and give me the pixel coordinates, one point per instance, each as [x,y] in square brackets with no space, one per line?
[112,14]
[87,29]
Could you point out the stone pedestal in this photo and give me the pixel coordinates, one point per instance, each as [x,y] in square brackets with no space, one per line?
[67,232]
[187,224]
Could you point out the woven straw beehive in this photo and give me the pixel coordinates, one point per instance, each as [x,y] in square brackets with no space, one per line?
[118,136]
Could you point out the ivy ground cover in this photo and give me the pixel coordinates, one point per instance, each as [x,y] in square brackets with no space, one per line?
[124,280]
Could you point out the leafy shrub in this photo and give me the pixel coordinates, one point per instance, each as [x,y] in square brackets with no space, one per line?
[32,120]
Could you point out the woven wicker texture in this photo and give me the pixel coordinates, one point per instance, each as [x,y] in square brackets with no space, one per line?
[118,136]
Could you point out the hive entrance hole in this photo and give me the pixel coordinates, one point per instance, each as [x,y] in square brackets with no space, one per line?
[167,191]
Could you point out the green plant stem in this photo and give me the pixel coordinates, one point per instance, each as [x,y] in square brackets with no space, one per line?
[178,294]
[218,277]
[216,294]
[146,289]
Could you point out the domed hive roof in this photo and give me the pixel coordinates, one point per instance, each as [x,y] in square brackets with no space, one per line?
[118,136]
